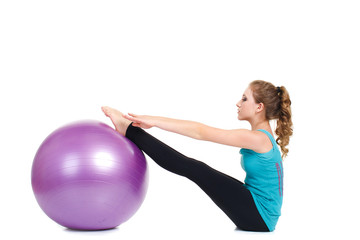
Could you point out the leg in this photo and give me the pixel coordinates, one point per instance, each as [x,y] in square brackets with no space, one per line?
[228,193]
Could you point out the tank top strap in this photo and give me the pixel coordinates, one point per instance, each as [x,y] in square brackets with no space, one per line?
[269,135]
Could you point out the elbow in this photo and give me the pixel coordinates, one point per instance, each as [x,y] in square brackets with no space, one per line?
[200,133]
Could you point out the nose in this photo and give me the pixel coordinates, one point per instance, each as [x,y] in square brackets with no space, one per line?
[238,104]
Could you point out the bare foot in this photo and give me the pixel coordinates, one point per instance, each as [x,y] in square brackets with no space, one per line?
[121,124]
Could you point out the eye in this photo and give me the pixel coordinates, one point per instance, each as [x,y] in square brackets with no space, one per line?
[244,99]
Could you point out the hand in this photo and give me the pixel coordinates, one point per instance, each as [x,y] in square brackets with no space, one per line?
[142,121]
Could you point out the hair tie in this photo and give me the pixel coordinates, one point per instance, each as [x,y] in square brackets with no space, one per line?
[278,90]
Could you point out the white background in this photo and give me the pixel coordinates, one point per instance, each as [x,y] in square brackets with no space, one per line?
[61,61]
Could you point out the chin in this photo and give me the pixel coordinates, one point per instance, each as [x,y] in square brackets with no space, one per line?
[242,118]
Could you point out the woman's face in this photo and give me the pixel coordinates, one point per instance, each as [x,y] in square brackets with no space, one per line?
[247,106]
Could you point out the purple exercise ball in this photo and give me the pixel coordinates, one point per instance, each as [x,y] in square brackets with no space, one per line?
[87,176]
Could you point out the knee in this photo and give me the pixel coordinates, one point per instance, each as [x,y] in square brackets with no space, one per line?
[196,164]
[195,168]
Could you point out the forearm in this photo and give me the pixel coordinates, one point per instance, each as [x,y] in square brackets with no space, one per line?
[184,127]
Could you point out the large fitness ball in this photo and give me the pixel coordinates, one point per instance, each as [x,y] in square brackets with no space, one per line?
[87,176]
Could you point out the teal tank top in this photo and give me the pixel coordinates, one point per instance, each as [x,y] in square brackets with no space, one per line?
[264,179]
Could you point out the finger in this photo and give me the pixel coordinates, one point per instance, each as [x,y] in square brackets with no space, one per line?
[136,125]
[133,119]
[126,116]
[132,114]
[130,118]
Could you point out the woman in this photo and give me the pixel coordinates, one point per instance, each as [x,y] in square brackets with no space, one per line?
[254,205]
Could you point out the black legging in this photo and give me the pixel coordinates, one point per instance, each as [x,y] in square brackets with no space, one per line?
[227,193]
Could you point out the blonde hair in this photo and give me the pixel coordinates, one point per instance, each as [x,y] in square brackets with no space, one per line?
[277,106]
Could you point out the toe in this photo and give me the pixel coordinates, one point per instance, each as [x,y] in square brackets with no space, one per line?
[106,110]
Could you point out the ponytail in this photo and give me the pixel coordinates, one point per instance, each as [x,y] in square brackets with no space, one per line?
[284,123]
[277,106]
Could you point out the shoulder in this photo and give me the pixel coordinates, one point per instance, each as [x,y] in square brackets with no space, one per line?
[264,143]
[243,138]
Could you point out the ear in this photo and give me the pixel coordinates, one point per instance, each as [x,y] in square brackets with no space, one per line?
[260,107]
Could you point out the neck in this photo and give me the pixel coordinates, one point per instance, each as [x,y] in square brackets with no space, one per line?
[255,125]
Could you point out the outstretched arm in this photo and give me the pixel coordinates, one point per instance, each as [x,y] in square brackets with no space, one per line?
[238,138]
[183,127]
